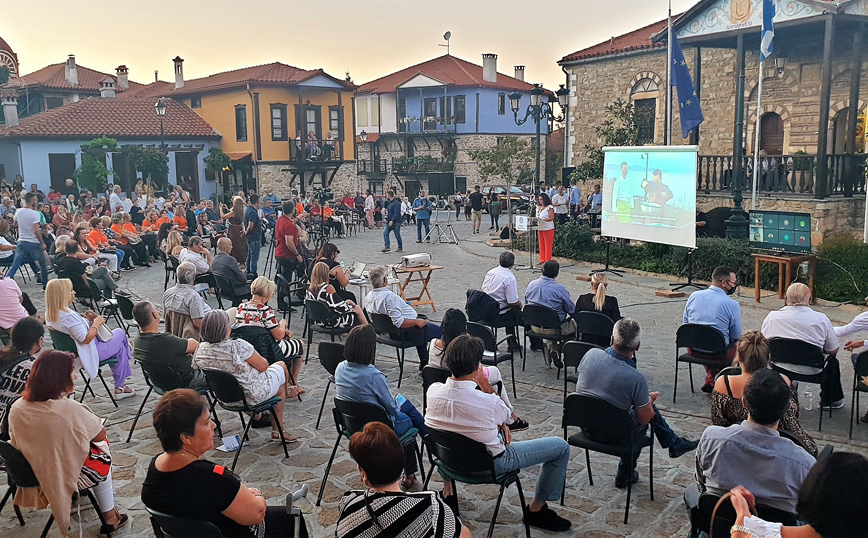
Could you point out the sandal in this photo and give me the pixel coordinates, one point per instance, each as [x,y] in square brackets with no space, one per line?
[288,437]
[408,481]
[125,393]
[108,528]
[293,392]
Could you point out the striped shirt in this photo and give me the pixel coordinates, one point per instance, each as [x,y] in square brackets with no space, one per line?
[398,515]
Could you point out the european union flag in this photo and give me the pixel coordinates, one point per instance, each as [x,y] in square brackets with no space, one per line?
[688,100]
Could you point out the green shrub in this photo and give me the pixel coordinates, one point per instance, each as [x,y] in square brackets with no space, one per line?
[842,269]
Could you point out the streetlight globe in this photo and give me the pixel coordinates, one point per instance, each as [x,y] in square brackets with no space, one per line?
[515,101]
[160,108]
[363,136]
[563,97]
[536,95]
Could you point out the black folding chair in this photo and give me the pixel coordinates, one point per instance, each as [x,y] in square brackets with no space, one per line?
[492,357]
[166,526]
[544,318]
[395,337]
[431,375]
[172,264]
[224,288]
[351,417]
[802,362]
[696,337]
[573,352]
[461,459]
[330,355]
[125,306]
[230,396]
[210,279]
[607,421]
[700,506]
[321,319]
[105,307]
[295,293]
[594,327]
[860,370]
[63,342]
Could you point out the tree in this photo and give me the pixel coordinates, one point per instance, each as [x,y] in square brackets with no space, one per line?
[93,175]
[217,161]
[151,162]
[625,125]
[511,161]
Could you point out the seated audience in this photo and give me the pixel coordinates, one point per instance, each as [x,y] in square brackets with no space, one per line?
[798,321]
[228,267]
[337,276]
[84,330]
[183,307]
[454,324]
[598,300]
[714,308]
[257,313]
[70,264]
[726,400]
[382,300]
[358,380]
[15,305]
[859,324]
[753,454]
[196,253]
[99,236]
[544,291]
[155,347]
[501,285]
[259,380]
[456,406]
[379,456]
[831,503]
[129,238]
[16,361]
[89,249]
[64,442]
[347,312]
[611,375]
[180,483]
[173,244]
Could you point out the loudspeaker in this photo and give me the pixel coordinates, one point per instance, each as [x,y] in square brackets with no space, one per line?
[441,184]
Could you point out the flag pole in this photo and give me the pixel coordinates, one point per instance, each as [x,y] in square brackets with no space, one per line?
[668,134]
[757,166]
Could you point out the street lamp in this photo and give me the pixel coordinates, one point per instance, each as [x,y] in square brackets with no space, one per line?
[363,136]
[160,109]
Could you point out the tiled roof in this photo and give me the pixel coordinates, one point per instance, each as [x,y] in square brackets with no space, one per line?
[274,73]
[54,77]
[447,69]
[113,117]
[155,90]
[634,41]
[238,155]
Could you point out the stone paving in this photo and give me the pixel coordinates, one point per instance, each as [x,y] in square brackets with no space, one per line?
[596,511]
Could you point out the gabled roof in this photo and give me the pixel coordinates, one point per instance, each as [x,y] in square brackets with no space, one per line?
[113,117]
[54,77]
[636,40]
[447,69]
[154,89]
[273,74]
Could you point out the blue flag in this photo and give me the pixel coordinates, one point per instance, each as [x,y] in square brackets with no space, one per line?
[688,100]
[767,45]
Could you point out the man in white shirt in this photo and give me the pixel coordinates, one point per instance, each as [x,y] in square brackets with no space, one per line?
[115,199]
[501,285]
[197,254]
[561,202]
[798,321]
[456,406]
[30,247]
[369,209]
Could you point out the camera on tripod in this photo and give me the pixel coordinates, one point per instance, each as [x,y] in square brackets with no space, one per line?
[323,195]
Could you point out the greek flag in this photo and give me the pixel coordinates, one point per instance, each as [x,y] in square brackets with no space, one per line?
[767,46]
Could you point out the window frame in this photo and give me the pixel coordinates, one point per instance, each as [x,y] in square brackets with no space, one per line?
[283,127]
[196,102]
[463,117]
[241,123]
[402,113]
[338,132]
[501,104]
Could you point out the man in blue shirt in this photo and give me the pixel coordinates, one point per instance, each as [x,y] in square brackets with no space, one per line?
[422,206]
[714,307]
[271,197]
[544,291]
[253,234]
[393,221]
[611,375]
[575,202]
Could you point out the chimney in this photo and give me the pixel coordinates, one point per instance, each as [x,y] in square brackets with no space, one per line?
[519,72]
[179,72]
[489,67]
[156,76]
[71,71]
[123,77]
[107,87]
[9,101]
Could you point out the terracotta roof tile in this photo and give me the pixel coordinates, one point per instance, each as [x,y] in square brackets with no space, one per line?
[113,117]
[154,90]
[54,76]
[275,73]
[447,69]
[636,40]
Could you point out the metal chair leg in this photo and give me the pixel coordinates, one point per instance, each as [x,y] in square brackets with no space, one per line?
[282,438]
[496,508]
[107,389]
[241,445]
[328,468]
[400,353]
[213,410]
[321,407]
[139,414]
[690,374]
[629,489]
[675,383]
[588,465]
[524,507]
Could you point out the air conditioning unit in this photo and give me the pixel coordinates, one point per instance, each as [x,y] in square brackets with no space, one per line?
[416,260]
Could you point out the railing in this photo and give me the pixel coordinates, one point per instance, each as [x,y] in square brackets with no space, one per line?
[316,150]
[421,165]
[368,166]
[796,174]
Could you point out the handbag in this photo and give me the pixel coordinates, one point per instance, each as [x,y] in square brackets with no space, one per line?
[723,498]
[96,467]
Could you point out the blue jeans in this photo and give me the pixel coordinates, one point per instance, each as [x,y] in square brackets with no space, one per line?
[253,246]
[552,452]
[27,252]
[120,254]
[419,223]
[397,227]
[408,418]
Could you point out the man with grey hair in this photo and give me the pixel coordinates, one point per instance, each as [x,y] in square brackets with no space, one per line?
[183,307]
[798,321]
[611,375]
[229,268]
[501,285]
[382,300]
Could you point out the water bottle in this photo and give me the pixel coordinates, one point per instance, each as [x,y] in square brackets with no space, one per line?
[808,399]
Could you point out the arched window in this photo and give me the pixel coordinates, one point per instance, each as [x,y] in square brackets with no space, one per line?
[644,97]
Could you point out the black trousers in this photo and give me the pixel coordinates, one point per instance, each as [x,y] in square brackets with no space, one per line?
[291,270]
[833,391]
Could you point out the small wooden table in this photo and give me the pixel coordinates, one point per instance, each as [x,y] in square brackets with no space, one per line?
[418,274]
[789,262]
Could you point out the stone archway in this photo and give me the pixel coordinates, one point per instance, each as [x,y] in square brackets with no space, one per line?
[768,109]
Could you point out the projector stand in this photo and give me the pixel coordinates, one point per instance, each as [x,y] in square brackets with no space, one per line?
[616,272]
[690,282]
[440,233]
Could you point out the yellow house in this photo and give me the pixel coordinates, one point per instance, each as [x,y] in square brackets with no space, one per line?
[285,128]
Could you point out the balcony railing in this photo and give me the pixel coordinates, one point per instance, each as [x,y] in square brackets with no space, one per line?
[371,166]
[316,150]
[795,174]
[421,165]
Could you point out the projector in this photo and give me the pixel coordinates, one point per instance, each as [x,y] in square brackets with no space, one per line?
[416,260]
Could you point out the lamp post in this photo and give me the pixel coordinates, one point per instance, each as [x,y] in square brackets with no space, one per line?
[160,108]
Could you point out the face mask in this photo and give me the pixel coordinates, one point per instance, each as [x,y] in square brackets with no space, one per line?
[731,290]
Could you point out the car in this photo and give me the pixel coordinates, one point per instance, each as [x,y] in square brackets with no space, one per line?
[518,199]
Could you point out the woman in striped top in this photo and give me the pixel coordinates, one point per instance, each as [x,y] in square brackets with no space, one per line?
[347,312]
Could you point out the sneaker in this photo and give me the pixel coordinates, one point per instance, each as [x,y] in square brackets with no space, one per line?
[546,519]
[400,250]
[418,241]
[707,389]
[683,446]
[386,250]
[621,482]
[519,425]
[835,405]
[556,359]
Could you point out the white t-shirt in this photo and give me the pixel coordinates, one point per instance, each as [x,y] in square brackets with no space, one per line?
[562,203]
[26,218]
[545,225]
[5,253]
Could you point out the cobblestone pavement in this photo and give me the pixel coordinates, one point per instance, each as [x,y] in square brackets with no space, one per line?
[596,511]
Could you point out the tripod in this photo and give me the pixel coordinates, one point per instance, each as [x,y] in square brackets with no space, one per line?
[440,233]
[690,282]
[270,262]
[616,272]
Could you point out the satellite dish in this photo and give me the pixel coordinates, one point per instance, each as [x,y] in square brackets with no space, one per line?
[447,35]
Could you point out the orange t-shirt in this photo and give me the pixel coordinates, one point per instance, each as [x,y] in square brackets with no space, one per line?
[180,221]
[328,212]
[119,237]
[98,238]
[299,208]
[130,228]
[148,226]
[161,221]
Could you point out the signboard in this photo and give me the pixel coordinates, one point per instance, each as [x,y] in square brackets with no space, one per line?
[522,223]
[731,15]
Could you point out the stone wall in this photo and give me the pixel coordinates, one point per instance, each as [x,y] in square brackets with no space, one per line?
[273,177]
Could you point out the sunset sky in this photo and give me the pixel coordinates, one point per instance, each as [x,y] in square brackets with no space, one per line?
[369,38]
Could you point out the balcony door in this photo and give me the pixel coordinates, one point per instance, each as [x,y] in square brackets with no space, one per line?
[772,134]
[308,119]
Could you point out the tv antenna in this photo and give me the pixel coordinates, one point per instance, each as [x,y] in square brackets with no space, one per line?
[447,36]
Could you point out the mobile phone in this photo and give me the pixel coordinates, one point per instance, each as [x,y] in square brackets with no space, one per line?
[399,399]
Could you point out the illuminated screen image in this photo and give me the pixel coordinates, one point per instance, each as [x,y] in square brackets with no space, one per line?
[782,231]
[649,194]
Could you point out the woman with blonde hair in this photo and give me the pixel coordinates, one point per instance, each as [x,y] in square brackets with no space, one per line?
[347,311]
[235,229]
[173,244]
[597,300]
[84,330]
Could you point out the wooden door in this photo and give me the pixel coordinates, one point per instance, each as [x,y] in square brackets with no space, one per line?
[772,134]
